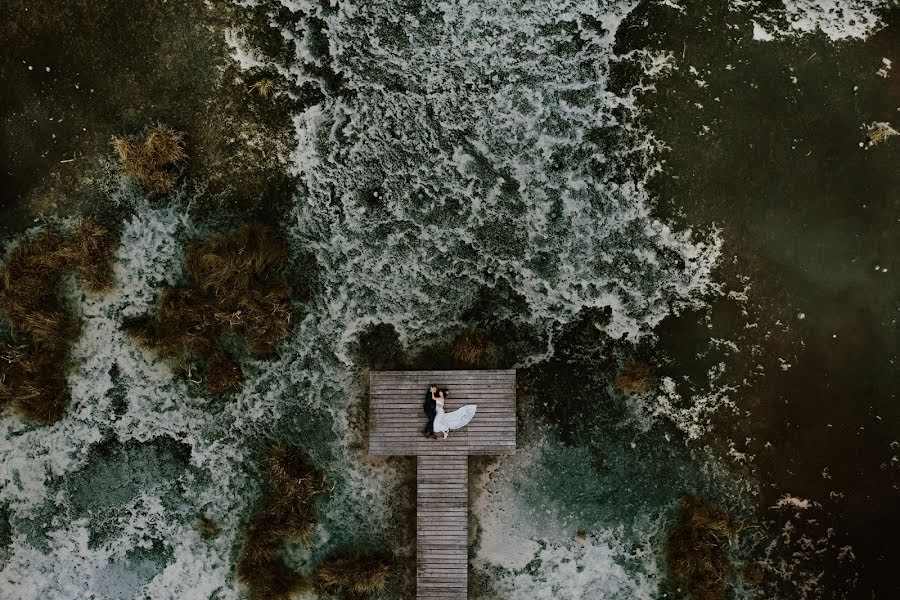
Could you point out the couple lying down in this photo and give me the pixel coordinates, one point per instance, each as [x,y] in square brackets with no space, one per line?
[440,421]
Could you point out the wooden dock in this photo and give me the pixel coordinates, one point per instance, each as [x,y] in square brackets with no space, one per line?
[396,419]
[442,526]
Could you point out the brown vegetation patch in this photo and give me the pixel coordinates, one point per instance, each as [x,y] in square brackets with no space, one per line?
[352,576]
[234,289]
[636,378]
[753,573]
[472,347]
[696,550]
[207,527]
[288,514]
[223,374]
[152,157]
[32,371]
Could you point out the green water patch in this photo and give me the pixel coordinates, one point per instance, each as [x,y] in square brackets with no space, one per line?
[5,535]
[116,474]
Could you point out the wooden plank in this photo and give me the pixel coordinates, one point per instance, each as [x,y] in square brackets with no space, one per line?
[442,527]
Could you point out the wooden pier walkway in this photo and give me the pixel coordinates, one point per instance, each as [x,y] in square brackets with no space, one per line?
[396,419]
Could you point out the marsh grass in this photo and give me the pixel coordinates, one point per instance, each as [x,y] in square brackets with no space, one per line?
[472,347]
[207,528]
[235,289]
[32,370]
[263,87]
[878,132]
[697,549]
[223,374]
[152,158]
[352,576]
[287,514]
[753,573]
[636,378]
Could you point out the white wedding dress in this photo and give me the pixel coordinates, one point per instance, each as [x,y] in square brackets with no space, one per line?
[445,422]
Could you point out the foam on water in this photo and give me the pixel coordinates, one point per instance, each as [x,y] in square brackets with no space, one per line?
[528,543]
[465,153]
[837,19]
[120,392]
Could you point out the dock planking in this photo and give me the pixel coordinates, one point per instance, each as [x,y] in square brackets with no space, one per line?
[396,420]
[442,526]
[396,417]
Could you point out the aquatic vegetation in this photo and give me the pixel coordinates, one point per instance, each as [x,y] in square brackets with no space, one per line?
[263,87]
[636,378]
[697,549]
[34,382]
[152,157]
[472,347]
[32,371]
[753,573]
[223,374]
[235,289]
[288,514]
[239,272]
[352,576]
[878,132]
[207,527]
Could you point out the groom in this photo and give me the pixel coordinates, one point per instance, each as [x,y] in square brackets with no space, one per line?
[430,407]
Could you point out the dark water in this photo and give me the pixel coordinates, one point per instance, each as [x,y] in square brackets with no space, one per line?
[76,73]
[812,219]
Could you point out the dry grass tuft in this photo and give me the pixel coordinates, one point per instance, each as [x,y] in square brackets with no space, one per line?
[32,373]
[207,527]
[152,158]
[239,273]
[263,87]
[353,576]
[472,347]
[753,573]
[235,289]
[287,515]
[696,551]
[878,132]
[90,250]
[636,378]
[33,381]
[270,579]
[223,374]
[295,482]
[28,291]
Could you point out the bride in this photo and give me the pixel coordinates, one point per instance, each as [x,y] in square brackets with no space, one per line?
[444,422]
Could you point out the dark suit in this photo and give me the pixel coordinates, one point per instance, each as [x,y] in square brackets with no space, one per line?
[430,407]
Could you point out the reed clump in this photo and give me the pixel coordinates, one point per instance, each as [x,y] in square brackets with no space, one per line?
[472,347]
[152,158]
[32,370]
[753,573]
[352,576]
[636,378]
[223,374]
[696,550]
[878,132]
[263,87]
[288,514]
[235,289]
[207,528]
